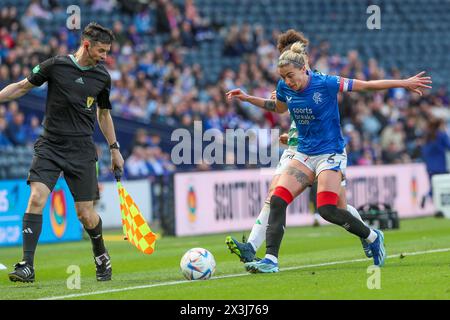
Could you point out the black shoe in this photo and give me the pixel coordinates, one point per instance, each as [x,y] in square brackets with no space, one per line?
[23,272]
[103,266]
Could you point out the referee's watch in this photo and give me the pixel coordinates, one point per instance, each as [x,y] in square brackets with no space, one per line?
[115,145]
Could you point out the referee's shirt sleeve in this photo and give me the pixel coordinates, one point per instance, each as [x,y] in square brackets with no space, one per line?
[103,97]
[41,73]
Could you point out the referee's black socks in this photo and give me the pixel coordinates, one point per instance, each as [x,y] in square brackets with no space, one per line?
[97,238]
[32,226]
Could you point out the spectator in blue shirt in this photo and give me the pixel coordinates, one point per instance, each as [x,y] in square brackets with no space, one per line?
[4,141]
[17,130]
[434,150]
[34,129]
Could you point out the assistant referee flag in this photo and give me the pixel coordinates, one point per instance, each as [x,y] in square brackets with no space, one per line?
[135,228]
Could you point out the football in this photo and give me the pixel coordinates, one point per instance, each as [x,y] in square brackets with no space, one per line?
[197,264]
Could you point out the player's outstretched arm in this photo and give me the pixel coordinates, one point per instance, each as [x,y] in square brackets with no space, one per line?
[415,84]
[267,104]
[15,90]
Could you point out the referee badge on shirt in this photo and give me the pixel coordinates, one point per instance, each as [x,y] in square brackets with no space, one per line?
[89,102]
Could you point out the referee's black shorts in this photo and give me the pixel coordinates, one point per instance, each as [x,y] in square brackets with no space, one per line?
[76,157]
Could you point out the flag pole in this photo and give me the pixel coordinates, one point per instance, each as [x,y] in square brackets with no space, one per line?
[118,176]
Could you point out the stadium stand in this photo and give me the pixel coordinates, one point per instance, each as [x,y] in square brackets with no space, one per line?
[173,61]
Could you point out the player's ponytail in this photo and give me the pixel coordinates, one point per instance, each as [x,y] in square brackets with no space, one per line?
[286,39]
[295,56]
[292,38]
[298,47]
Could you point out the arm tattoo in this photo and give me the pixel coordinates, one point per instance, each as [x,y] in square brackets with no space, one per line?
[270,105]
[301,177]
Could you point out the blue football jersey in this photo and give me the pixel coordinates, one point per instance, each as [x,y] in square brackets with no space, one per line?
[316,113]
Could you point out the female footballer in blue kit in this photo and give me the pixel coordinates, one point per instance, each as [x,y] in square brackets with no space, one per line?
[311,99]
[246,251]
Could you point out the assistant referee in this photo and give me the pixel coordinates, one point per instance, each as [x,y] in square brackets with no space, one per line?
[78,91]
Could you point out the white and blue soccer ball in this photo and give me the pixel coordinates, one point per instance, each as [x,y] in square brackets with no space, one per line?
[197,264]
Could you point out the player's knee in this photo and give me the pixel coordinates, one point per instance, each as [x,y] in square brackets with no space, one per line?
[82,215]
[85,215]
[37,200]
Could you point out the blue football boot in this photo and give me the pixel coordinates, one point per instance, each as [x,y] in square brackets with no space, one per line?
[262,266]
[377,248]
[244,251]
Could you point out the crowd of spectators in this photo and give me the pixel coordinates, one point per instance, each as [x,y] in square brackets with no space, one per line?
[146,157]
[155,85]
[143,158]
[16,129]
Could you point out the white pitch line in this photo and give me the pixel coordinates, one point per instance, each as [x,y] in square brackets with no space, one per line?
[171,283]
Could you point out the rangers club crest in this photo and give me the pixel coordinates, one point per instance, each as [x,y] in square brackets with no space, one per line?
[317,97]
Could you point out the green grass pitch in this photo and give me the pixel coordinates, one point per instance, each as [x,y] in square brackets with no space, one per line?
[315,263]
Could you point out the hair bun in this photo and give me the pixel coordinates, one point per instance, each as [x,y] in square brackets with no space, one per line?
[298,47]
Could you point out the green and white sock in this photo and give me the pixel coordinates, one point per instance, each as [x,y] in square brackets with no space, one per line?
[258,233]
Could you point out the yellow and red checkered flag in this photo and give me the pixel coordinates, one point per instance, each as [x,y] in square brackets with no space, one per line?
[135,228]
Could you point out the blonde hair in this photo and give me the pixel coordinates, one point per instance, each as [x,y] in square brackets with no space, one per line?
[296,55]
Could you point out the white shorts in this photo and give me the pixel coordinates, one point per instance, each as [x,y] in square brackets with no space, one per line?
[321,162]
[286,157]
